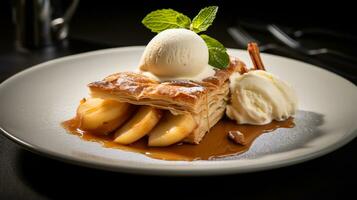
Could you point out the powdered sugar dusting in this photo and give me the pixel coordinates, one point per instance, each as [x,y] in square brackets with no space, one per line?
[128,84]
[190,90]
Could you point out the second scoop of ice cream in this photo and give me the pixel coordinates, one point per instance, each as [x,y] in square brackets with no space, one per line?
[176,54]
[258,97]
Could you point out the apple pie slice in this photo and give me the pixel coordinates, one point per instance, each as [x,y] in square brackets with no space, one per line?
[199,105]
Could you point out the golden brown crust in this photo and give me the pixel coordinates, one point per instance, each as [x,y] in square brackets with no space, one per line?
[205,100]
[180,95]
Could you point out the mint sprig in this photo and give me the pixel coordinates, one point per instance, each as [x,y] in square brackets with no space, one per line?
[163,19]
[217,52]
[204,19]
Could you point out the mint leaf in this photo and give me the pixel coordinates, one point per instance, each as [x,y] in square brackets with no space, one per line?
[204,19]
[161,20]
[218,56]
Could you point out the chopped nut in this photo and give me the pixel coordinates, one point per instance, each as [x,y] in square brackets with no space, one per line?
[83,100]
[237,137]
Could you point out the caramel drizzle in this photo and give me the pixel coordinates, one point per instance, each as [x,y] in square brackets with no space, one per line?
[214,145]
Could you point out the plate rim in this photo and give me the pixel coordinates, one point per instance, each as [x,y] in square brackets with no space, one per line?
[147,169]
[214,171]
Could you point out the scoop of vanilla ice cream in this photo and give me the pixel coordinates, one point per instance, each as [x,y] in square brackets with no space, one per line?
[176,54]
[258,97]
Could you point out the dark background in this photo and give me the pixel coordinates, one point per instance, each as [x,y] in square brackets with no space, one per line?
[110,21]
[103,24]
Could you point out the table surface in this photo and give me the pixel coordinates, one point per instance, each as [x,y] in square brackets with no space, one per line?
[25,175]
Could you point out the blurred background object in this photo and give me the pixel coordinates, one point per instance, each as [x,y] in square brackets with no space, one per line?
[39,23]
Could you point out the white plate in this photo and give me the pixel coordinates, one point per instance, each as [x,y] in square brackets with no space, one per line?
[34,102]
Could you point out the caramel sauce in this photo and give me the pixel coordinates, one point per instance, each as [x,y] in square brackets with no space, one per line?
[215,144]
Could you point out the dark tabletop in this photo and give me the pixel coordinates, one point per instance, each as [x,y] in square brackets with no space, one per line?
[26,175]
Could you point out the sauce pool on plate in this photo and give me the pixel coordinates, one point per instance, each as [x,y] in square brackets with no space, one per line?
[215,144]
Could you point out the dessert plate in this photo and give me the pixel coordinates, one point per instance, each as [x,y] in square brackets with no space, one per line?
[34,102]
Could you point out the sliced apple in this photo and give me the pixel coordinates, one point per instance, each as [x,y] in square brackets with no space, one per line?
[171,129]
[102,116]
[138,126]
